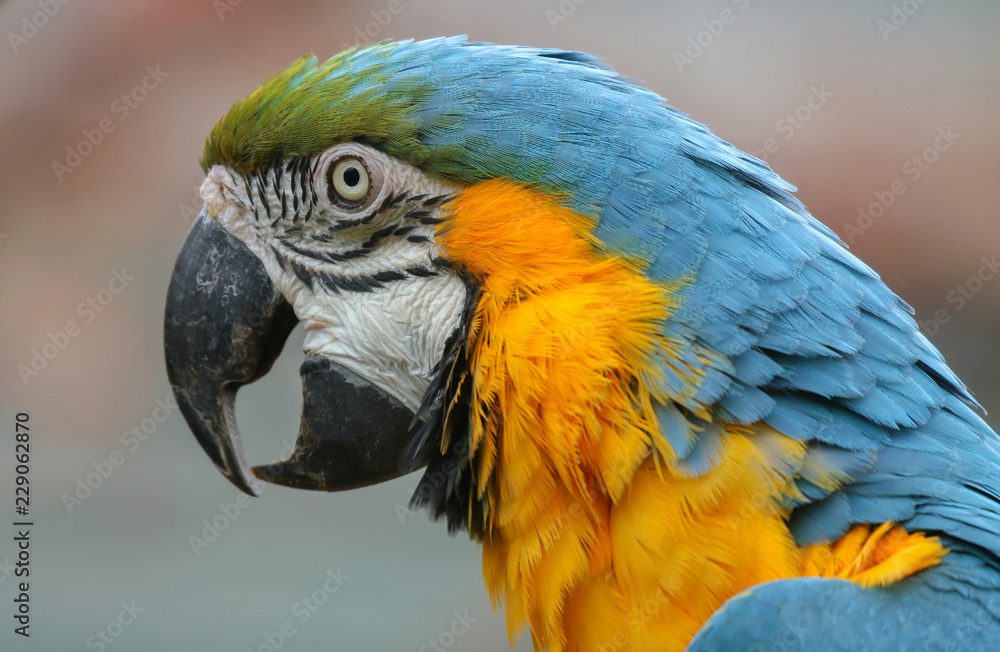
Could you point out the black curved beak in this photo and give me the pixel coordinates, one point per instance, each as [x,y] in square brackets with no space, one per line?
[224,327]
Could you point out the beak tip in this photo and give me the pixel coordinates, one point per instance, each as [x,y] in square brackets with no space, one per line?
[250,486]
[265,472]
[282,474]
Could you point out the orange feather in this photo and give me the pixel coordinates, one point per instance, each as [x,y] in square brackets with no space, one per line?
[594,538]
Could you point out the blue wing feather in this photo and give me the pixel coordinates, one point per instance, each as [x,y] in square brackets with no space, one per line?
[954,606]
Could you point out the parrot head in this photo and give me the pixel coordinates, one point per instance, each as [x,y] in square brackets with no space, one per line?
[324,199]
[309,219]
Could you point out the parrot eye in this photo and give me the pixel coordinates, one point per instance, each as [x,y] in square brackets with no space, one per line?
[348,182]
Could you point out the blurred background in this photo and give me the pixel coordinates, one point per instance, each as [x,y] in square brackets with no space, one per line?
[883,113]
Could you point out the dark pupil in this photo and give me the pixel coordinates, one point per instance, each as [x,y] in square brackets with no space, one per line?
[351,176]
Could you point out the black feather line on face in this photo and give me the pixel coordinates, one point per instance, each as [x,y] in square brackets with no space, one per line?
[276,183]
[304,183]
[366,247]
[337,283]
[279,258]
[301,191]
[435,201]
[389,202]
[248,183]
[421,271]
[302,273]
[446,487]
[262,193]
[326,257]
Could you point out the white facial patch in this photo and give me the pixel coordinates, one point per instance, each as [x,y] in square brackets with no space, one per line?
[366,281]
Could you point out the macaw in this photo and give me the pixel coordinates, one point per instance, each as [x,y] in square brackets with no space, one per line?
[664,399]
